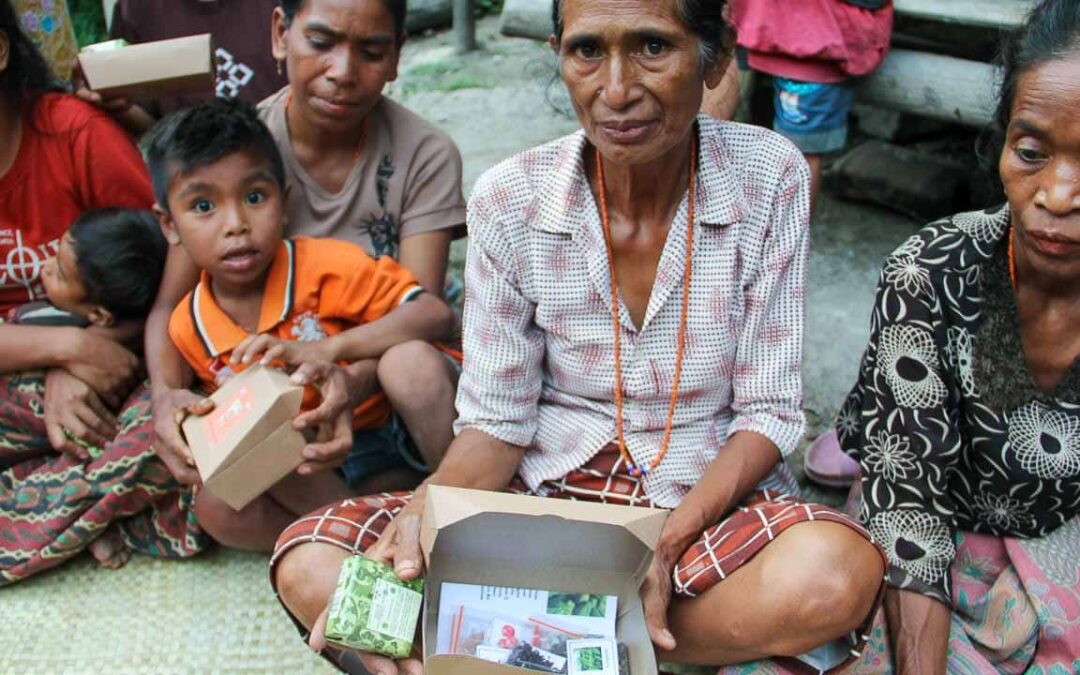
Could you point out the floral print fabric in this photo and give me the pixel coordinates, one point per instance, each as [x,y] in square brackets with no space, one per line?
[945,420]
[48,24]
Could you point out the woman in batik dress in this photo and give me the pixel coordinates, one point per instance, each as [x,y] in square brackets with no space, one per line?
[966,415]
[60,157]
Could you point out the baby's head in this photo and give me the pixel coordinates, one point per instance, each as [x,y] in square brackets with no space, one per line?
[108,266]
[218,179]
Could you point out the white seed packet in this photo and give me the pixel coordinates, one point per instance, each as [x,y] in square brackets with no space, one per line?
[493,654]
[592,656]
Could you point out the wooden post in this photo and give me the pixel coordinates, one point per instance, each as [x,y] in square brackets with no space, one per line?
[464,26]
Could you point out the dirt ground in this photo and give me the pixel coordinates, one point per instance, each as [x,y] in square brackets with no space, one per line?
[505,98]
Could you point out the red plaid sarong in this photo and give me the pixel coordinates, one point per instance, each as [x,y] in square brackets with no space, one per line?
[356,524]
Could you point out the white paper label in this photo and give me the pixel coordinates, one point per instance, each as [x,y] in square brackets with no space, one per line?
[394,610]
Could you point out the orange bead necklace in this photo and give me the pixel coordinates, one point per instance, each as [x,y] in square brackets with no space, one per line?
[1012,257]
[632,468]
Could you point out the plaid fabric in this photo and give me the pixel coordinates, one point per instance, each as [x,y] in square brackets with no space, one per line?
[356,524]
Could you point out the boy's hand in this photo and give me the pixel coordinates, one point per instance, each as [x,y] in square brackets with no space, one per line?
[170,407]
[332,418]
[267,349]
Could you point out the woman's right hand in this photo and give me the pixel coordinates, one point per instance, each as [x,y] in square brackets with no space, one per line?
[108,367]
[399,547]
[170,407]
[72,407]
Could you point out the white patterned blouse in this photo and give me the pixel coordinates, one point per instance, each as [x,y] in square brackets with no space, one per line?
[538,334]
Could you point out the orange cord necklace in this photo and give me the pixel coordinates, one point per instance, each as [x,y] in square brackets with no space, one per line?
[1012,258]
[632,468]
[363,129]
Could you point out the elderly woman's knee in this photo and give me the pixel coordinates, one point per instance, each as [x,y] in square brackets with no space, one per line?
[831,580]
[413,371]
[305,578]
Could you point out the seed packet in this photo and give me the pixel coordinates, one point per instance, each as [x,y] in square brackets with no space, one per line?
[599,656]
[373,610]
[530,658]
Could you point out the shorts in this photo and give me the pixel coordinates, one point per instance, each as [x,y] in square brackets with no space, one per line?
[375,451]
[812,116]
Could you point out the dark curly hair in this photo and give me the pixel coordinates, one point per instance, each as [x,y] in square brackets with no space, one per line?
[204,134]
[27,75]
[1051,31]
[705,18]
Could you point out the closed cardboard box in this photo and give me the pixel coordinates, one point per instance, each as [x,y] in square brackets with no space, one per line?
[149,69]
[246,444]
[498,539]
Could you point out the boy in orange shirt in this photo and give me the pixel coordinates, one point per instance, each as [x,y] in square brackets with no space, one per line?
[219,183]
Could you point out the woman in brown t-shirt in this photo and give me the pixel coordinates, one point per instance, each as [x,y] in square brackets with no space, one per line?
[360,168]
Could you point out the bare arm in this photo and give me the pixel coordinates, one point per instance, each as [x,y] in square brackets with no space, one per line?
[170,375]
[741,464]
[37,347]
[918,632]
[425,318]
[165,364]
[426,255]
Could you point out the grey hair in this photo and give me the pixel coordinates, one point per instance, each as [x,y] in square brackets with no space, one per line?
[708,19]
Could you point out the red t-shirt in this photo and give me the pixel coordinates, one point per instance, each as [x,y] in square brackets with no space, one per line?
[72,159]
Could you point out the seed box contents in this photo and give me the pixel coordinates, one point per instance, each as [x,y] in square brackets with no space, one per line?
[592,657]
[373,610]
[580,613]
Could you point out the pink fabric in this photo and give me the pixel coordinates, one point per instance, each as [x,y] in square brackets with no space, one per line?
[812,40]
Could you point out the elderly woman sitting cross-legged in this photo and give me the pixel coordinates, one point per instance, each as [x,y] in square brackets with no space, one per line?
[633,326]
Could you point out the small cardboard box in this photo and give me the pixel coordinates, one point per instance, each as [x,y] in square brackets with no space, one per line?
[499,539]
[246,443]
[151,68]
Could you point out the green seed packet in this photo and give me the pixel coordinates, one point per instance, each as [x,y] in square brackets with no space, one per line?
[373,610]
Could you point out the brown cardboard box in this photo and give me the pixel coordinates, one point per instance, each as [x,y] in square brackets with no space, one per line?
[147,69]
[246,443]
[500,539]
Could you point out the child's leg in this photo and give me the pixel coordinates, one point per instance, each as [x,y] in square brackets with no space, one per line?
[256,526]
[420,383]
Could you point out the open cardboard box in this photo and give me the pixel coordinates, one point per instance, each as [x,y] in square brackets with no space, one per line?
[151,68]
[500,539]
[246,443]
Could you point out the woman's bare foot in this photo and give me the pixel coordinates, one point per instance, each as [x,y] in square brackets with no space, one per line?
[110,550]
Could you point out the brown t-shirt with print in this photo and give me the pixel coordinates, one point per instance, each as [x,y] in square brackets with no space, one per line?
[407,181]
[241,39]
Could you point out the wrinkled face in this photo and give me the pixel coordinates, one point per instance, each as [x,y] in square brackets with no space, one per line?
[339,54]
[60,277]
[229,216]
[633,70]
[1040,167]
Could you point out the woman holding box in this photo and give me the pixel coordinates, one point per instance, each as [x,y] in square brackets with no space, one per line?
[633,325]
[60,157]
[360,168]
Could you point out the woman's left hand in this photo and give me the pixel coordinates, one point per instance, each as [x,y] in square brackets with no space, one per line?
[73,407]
[332,419]
[656,598]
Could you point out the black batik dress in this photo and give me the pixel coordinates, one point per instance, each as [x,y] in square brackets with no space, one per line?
[945,420]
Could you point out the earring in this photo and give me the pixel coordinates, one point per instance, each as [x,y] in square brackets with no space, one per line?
[280,71]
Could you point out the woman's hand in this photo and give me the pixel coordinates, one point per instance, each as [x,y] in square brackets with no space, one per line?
[289,352]
[170,407]
[656,598]
[72,405]
[332,419]
[399,547]
[110,369]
